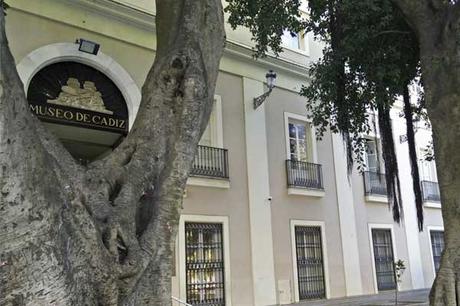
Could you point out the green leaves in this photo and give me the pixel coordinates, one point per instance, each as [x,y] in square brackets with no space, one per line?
[267,20]
[370,50]
[370,58]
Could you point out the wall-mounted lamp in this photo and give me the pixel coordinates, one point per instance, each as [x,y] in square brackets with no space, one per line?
[271,78]
[87,46]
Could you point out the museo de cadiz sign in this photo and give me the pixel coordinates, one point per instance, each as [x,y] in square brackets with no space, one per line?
[71,93]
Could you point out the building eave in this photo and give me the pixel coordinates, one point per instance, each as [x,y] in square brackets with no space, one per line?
[118,11]
[245,53]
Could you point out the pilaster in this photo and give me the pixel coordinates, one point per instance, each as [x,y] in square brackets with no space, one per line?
[347,219]
[263,271]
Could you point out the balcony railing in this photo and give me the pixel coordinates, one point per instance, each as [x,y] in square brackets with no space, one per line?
[374,183]
[430,191]
[304,175]
[210,162]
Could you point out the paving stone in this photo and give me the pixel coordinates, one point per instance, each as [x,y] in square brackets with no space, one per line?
[405,298]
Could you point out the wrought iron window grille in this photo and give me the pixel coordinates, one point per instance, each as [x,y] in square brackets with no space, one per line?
[437,246]
[205,277]
[384,259]
[310,269]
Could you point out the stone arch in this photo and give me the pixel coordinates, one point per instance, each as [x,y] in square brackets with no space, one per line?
[58,52]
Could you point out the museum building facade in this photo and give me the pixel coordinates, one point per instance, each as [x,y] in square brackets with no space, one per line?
[270,214]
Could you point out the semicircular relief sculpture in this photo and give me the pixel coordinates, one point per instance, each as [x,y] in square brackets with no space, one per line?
[82,106]
[72,93]
[85,98]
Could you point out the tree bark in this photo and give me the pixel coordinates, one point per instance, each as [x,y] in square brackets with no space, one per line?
[103,234]
[444,113]
[437,25]
[445,119]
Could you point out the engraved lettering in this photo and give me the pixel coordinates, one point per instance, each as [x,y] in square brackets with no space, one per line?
[98,118]
[86,118]
[68,115]
[34,108]
[79,116]
[51,111]
[42,110]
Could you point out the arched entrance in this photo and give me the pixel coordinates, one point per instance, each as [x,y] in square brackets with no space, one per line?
[89,102]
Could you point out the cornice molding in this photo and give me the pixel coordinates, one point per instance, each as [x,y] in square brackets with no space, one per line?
[118,11]
[145,21]
[245,53]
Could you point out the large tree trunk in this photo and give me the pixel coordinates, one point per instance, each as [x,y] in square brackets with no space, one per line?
[103,234]
[437,25]
[445,119]
[443,96]
[441,76]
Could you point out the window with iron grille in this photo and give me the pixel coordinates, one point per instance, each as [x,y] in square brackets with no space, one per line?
[384,259]
[204,264]
[437,245]
[310,270]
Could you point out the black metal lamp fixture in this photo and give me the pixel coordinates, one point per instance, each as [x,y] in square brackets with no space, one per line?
[271,78]
[88,46]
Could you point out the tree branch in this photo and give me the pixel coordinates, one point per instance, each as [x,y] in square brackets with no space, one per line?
[415,11]
[104,201]
[13,104]
[176,104]
[15,112]
[42,211]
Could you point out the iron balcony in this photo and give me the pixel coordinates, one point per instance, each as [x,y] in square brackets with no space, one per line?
[210,162]
[304,175]
[375,183]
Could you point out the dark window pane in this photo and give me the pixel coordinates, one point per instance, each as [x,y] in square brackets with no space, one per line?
[437,245]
